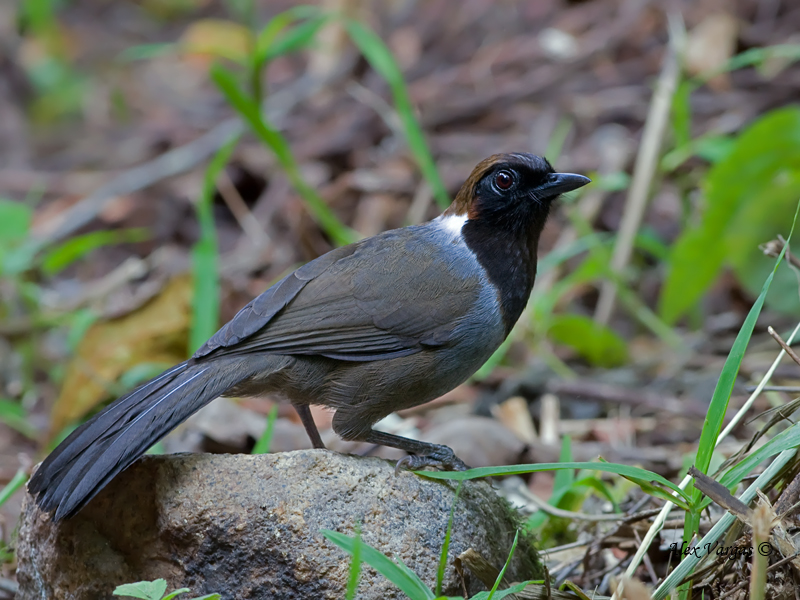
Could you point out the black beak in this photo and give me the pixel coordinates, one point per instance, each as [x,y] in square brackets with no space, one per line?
[559,183]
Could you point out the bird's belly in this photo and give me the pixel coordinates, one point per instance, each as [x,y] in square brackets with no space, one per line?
[389,385]
[382,386]
[420,378]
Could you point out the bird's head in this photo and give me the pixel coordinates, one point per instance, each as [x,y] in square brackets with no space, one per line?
[512,192]
[500,213]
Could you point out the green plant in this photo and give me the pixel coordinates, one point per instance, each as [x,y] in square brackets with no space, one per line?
[712,425]
[380,57]
[263,444]
[651,483]
[399,574]
[24,266]
[205,267]
[446,544]
[294,30]
[155,590]
[14,415]
[287,32]
[569,493]
[408,581]
[355,566]
[17,482]
[276,142]
[19,479]
[750,194]
[60,88]
[685,495]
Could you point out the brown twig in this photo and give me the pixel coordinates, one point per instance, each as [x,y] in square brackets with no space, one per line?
[720,494]
[744,583]
[645,168]
[784,345]
[579,516]
[774,247]
[240,210]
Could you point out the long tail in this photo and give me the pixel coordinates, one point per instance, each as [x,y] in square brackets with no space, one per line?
[113,439]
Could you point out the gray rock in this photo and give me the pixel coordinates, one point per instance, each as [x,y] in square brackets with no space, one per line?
[249,527]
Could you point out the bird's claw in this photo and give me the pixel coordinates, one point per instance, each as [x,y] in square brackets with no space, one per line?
[442,458]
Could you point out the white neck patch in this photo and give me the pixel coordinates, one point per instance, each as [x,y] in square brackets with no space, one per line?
[452,223]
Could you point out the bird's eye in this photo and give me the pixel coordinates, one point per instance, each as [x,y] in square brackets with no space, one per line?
[503,180]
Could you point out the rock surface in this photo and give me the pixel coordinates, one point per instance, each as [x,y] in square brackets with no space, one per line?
[249,527]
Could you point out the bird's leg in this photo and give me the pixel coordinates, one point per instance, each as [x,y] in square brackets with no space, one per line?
[355,426]
[421,454]
[304,412]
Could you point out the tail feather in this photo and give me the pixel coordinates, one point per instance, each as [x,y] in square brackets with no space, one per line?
[113,439]
[86,434]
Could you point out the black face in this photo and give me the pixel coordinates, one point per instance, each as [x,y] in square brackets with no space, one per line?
[509,210]
[515,177]
[517,192]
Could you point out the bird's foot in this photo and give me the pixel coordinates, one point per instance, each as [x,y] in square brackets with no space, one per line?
[441,457]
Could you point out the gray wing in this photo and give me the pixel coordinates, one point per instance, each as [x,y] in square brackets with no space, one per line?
[366,301]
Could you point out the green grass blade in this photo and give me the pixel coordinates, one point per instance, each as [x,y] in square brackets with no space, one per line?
[396,572]
[686,565]
[789,438]
[146,51]
[176,593]
[271,34]
[600,253]
[562,484]
[273,140]
[658,492]
[446,544]
[297,38]
[600,488]
[715,415]
[381,59]
[265,441]
[64,254]
[504,593]
[19,479]
[559,256]
[564,478]
[753,57]
[14,416]
[556,142]
[505,567]
[205,271]
[355,567]
[624,470]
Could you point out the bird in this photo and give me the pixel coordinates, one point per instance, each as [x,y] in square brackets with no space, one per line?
[380,325]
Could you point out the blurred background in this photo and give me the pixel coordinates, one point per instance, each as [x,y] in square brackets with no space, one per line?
[145,198]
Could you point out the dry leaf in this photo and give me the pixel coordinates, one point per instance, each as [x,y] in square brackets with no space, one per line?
[155,333]
[634,590]
[711,44]
[217,38]
[514,414]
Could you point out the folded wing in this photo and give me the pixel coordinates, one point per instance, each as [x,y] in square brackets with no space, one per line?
[374,300]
